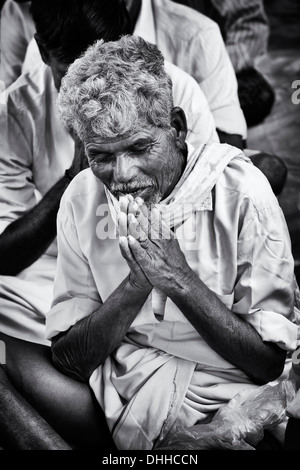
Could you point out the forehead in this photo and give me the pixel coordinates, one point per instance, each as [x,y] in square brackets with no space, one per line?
[146,135]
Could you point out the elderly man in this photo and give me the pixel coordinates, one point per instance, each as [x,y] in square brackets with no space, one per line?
[38,158]
[174,283]
[199,50]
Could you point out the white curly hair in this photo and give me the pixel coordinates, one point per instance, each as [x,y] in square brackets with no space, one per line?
[115,88]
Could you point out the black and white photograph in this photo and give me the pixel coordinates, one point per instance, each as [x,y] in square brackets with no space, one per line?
[149,228]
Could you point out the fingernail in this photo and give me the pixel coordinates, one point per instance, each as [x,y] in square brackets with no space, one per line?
[140,201]
[131,218]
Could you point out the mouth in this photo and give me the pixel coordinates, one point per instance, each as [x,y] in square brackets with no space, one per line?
[140,192]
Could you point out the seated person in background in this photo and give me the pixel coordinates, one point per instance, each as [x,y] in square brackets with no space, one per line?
[185,295]
[245,29]
[213,71]
[16,31]
[38,158]
[200,50]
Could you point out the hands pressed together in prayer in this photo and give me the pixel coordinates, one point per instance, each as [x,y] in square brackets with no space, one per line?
[156,260]
[150,248]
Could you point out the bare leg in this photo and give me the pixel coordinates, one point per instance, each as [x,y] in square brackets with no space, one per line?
[68,406]
[21,427]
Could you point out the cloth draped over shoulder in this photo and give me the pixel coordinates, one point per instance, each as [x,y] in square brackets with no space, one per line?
[164,373]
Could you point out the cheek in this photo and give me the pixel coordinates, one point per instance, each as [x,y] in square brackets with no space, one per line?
[168,168]
[100,171]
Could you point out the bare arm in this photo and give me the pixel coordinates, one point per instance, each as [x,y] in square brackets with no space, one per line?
[27,238]
[78,351]
[228,334]
[86,345]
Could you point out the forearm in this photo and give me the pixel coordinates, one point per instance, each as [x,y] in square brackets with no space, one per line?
[226,332]
[86,345]
[27,238]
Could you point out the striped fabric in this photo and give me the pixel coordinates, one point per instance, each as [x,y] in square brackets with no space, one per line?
[244,26]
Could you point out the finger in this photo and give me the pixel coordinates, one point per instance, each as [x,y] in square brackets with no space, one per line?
[127,254]
[135,230]
[123,201]
[141,207]
[123,224]
[124,248]
[155,217]
[139,201]
[139,254]
[133,208]
[160,228]
[150,222]
[142,216]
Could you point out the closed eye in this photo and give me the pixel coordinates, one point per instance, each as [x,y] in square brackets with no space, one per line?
[97,157]
[137,149]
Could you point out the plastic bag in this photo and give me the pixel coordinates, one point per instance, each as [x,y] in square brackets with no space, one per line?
[238,424]
[293,408]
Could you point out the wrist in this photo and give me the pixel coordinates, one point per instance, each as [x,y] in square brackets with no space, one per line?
[181,282]
[143,287]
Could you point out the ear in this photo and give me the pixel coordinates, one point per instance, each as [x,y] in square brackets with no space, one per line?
[178,122]
[44,53]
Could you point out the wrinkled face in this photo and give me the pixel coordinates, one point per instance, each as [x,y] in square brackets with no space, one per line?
[147,164]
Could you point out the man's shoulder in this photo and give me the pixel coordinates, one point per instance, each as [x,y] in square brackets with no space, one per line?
[83,188]
[181,79]
[186,92]
[185,21]
[83,201]
[246,181]
[30,88]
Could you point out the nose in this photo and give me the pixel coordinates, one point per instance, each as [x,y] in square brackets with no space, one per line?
[125,168]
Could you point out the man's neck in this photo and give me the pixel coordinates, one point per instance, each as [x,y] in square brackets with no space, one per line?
[134,8]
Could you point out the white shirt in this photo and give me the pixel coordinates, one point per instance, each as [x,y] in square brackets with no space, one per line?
[16,30]
[35,150]
[194,43]
[240,250]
